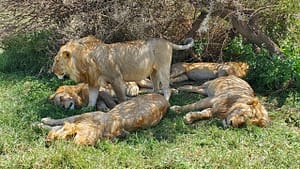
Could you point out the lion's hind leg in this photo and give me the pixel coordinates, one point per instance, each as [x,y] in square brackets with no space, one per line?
[164,78]
[198,115]
[180,78]
[155,80]
[158,77]
[119,87]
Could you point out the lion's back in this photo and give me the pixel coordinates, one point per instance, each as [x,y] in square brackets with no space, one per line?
[142,111]
[229,84]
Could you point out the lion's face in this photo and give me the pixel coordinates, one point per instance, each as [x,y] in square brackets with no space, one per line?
[242,69]
[251,112]
[58,67]
[67,131]
[63,100]
[64,60]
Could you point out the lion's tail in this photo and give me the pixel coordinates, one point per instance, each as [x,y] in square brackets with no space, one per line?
[189,43]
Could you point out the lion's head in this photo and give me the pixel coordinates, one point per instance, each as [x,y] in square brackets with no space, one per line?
[70,96]
[65,132]
[238,69]
[65,62]
[251,112]
[63,99]
[242,69]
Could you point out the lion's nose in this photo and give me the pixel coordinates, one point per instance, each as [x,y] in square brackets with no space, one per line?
[226,123]
[71,106]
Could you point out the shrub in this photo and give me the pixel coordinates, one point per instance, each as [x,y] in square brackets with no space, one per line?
[268,72]
[199,46]
[27,53]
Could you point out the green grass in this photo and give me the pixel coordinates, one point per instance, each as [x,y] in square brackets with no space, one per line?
[170,144]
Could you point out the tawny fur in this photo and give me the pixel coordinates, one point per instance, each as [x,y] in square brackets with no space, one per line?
[203,71]
[70,96]
[73,96]
[229,98]
[116,63]
[138,113]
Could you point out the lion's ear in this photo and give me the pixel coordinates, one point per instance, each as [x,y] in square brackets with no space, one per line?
[253,101]
[66,54]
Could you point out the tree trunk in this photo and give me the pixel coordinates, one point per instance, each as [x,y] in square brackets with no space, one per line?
[248,29]
[196,25]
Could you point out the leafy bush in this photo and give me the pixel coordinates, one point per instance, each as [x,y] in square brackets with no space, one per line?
[268,72]
[199,46]
[26,53]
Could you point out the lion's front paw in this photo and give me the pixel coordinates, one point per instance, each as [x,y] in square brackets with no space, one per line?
[225,124]
[132,91]
[46,120]
[175,108]
[188,119]
[174,91]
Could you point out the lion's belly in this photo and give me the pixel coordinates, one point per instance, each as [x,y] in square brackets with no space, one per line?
[137,71]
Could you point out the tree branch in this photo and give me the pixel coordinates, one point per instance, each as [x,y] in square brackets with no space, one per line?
[255,35]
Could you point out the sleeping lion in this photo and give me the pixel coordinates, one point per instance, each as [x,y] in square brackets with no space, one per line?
[116,63]
[203,71]
[138,113]
[229,98]
[72,96]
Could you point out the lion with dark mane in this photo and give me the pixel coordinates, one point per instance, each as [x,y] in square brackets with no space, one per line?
[229,98]
[116,63]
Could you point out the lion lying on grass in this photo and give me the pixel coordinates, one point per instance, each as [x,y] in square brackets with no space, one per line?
[74,96]
[203,71]
[140,112]
[117,63]
[230,99]
[71,96]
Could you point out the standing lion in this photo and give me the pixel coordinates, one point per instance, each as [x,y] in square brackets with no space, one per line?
[116,63]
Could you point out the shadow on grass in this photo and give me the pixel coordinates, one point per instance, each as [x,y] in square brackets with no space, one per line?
[172,125]
[34,105]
